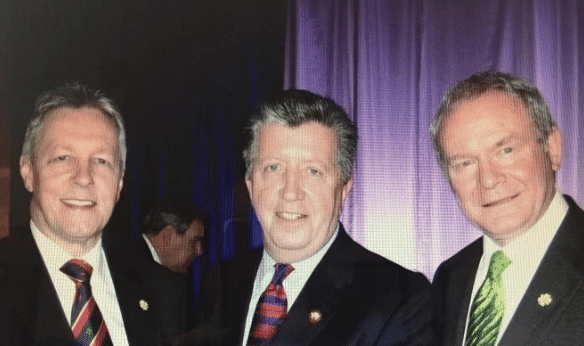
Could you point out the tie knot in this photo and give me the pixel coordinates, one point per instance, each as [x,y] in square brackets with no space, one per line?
[499,262]
[282,271]
[77,270]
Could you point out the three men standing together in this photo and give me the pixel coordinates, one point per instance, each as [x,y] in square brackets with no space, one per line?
[65,282]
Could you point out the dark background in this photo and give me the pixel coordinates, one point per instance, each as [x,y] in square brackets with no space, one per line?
[185,74]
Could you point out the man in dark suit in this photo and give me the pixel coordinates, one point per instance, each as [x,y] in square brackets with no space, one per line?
[172,235]
[522,282]
[312,284]
[66,284]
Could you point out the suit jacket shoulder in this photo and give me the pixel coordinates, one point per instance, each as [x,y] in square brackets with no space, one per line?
[362,298]
[37,318]
[560,274]
[452,289]
[30,300]
[152,299]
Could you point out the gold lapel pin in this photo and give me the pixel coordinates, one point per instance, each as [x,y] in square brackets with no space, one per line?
[544,299]
[144,305]
[314,317]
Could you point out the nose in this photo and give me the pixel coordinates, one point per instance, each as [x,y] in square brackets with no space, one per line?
[83,174]
[292,190]
[490,175]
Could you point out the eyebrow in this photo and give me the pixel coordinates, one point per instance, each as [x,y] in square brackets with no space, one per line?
[505,140]
[500,143]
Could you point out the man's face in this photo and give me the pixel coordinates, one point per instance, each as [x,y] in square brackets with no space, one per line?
[74,177]
[181,249]
[295,188]
[503,179]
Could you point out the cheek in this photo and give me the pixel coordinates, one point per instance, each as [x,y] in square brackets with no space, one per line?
[109,188]
[264,197]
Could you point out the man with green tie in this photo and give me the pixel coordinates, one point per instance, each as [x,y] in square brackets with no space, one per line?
[522,282]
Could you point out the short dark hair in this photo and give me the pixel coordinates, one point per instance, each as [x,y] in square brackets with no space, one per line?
[293,108]
[73,95]
[177,214]
[482,82]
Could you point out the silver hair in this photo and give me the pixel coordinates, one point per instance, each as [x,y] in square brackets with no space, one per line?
[293,108]
[72,95]
[482,82]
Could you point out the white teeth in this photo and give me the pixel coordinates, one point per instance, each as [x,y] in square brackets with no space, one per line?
[290,216]
[78,203]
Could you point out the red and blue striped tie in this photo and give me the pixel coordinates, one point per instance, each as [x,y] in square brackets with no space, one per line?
[271,309]
[87,322]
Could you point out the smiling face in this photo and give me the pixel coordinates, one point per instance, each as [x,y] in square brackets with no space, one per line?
[74,177]
[502,178]
[295,188]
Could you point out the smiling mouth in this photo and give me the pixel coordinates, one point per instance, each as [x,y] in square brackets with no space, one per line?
[78,202]
[290,216]
[499,201]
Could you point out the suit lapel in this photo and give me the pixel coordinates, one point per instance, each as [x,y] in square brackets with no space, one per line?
[133,292]
[243,272]
[38,311]
[459,293]
[322,294]
[556,278]
[559,275]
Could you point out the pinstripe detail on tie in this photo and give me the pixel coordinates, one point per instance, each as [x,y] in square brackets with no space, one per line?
[488,307]
[87,324]
[271,309]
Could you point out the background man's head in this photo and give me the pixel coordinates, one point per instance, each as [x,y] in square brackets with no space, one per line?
[176,231]
[299,171]
[500,148]
[72,162]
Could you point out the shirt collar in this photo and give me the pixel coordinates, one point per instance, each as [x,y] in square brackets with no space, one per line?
[152,249]
[304,266]
[536,239]
[54,256]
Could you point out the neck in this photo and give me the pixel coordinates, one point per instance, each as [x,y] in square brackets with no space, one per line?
[75,247]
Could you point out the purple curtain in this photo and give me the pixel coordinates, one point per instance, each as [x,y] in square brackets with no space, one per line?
[390,62]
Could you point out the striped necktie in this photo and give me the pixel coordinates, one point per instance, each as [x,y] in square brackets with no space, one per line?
[488,307]
[271,309]
[87,323]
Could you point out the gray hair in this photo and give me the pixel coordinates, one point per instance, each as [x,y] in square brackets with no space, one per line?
[72,95]
[293,108]
[482,82]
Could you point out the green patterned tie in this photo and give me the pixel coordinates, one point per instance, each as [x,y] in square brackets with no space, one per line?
[488,307]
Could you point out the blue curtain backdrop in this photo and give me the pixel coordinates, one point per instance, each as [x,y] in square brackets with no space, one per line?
[390,62]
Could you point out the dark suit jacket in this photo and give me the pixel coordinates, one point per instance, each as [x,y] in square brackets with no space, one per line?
[364,300]
[141,248]
[35,314]
[560,274]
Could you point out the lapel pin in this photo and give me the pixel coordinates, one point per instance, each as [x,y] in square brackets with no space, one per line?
[143,305]
[314,317]
[544,299]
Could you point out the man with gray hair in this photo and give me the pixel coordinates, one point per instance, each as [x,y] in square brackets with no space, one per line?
[312,284]
[521,283]
[67,283]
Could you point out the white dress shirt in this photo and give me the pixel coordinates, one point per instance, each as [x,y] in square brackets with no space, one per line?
[102,286]
[152,249]
[525,253]
[293,283]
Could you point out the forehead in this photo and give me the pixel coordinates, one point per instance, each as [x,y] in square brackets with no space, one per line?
[489,115]
[67,124]
[309,140]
